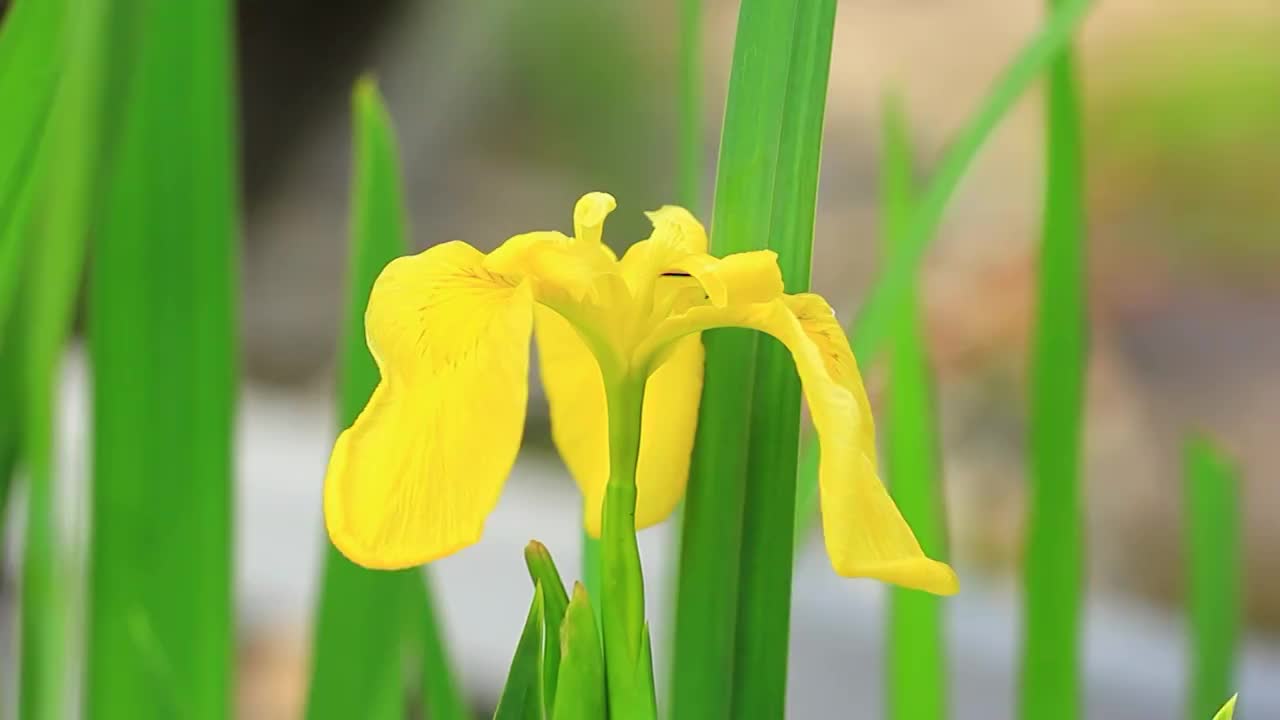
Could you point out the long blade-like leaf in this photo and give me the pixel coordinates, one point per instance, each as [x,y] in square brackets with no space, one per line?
[1054,582]
[916,663]
[32,55]
[363,614]
[1212,510]
[689,158]
[163,334]
[764,597]
[522,695]
[706,608]
[871,326]
[51,221]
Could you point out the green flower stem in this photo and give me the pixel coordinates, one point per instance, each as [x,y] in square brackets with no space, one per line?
[623,592]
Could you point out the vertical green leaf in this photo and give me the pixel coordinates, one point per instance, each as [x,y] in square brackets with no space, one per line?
[163,339]
[764,597]
[442,699]
[916,662]
[522,695]
[689,158]
[1211,507]
[872,325]
[706,608]
[363,614]
[73,69]
[32,55]
[1054,582]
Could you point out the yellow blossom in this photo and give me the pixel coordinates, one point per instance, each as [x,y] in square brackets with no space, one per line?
[416,475]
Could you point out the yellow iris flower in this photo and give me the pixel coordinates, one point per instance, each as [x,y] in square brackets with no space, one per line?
[415,476]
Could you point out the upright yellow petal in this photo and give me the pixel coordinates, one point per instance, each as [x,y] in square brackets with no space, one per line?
[579,420]
[415,476]
[865,533]
[589,214]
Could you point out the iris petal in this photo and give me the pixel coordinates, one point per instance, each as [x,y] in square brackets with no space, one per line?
[866,535]
[415,476]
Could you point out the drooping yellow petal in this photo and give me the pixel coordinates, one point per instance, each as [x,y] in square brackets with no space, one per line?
[579,420]
[865,533]
[415,476]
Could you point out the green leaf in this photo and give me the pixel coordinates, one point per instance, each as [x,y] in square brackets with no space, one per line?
[872,325]
[542,570]
[74,59]
[916,662]
[706,608]
[32,54]
[764,597]
[1228,711]
[1213,546]
[441,697]
[689,156]
[581,694]
[357,666]
[522,695]
[163,339]
[1053,576]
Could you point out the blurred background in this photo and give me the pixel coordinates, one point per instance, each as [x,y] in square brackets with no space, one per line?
[508,111]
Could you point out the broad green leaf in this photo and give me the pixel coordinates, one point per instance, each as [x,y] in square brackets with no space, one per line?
[162,326]
[1211,508]
[706,607]
[581,690]
[522,695]
[1053,560]
[916,662]
[764,596]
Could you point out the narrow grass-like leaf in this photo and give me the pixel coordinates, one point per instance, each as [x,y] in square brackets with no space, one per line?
[163,339]
[363,615]
[764,597]
[689,159]
[1053,573]
[542,570]
[916,663]
[871,327]
[32,54]
[581,684]
[66,159]
[441,696]
[30,59]
[1211,507]
[522,695]
[706,608]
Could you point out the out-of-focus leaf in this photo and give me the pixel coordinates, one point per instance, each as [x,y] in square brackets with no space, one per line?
[1211,508]
[522,695]
[162,326]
